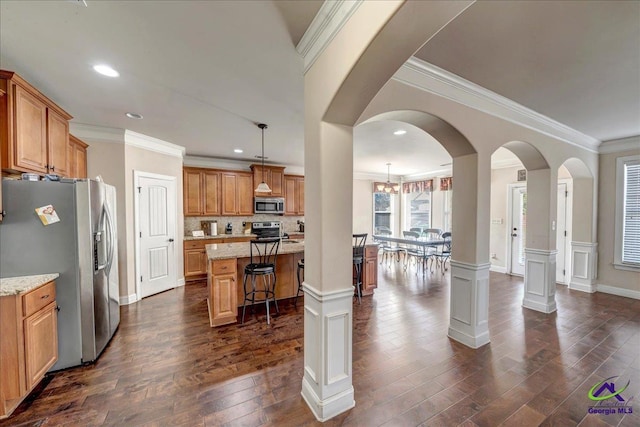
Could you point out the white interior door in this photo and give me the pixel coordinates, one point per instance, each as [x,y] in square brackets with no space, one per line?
[518,231]
[518,228]
[156,233]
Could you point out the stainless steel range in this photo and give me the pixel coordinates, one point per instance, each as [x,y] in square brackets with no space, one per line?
[267,229]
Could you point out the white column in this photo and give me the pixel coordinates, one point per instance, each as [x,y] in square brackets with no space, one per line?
[540,280]
[584,263]
[468,321]
[327,383]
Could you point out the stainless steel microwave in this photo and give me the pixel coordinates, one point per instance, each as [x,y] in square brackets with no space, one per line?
[268,205]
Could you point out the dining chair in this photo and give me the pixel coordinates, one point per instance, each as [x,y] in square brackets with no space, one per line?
[359,241]
[389,249]
[420,253]
[443,253]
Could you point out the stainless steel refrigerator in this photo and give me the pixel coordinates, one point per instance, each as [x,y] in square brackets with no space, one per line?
[81,247]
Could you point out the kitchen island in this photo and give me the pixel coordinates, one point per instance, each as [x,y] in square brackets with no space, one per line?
[225,270]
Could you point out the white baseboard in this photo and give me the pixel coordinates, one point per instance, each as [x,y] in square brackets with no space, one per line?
[498,269]
[180,282]
[128,299]
[628,293]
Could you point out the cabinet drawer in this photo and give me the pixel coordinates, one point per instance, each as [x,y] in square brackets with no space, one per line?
[194,244]
[224,266]
[38,298]
[371,252]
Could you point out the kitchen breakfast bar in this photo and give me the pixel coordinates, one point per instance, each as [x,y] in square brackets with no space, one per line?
[225,270]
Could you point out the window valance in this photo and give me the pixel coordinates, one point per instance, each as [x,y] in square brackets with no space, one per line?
[446,184]
[417,186]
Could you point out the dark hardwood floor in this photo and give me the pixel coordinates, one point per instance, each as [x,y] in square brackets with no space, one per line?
[166,367]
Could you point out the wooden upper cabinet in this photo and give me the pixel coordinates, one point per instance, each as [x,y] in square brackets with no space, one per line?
[58,142]
[77,158]
[211,192]
[201,192]
[31,132]
[34,131]
[273,176]
[237,193]
[294,195]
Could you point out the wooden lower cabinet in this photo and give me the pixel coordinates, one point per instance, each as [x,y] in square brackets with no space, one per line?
[195,255]
[222,291]
[369,270]
[28,343]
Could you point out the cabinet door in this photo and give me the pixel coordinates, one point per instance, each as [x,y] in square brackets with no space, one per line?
[40,343]
[290,196]
[370,274]
[211,193]
[80,162]
[245,194]
[192,192]
[195,262]
[30,134]
[300,194]
[229,193]
[58,141]
[223,299]
[71,158]
[277,182]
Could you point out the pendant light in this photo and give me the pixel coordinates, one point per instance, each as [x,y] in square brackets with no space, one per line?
[388,187]
[262,187]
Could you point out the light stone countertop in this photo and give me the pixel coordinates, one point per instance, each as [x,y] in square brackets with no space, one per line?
[217,251]
[220,236]
[20,284]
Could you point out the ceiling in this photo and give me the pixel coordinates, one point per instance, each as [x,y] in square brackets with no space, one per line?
[204,73]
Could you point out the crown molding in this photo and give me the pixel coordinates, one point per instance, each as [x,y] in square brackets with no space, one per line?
[97,133]
[325,25]
[619,145]
[138,140]
[232,164]
[430,78]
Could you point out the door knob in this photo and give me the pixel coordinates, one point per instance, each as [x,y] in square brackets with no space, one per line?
[514,235]
[171,240]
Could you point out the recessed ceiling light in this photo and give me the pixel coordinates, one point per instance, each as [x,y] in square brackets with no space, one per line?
[105,70]
[134,116]
[237,150]
[400,132]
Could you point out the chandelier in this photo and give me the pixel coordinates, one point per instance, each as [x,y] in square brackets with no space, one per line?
[388,186]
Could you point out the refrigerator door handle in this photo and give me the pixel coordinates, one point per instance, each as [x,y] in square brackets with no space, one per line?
[111,240]
[97,241]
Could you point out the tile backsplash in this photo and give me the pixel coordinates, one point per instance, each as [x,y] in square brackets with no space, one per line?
[289,223]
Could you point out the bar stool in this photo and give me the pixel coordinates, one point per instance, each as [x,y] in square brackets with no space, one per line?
[263,255]
[300,268]
[358,261]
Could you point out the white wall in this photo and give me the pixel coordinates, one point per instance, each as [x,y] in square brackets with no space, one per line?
[362,206]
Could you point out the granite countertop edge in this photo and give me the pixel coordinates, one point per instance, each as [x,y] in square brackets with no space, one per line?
[219,236]
[22,284]
[220,251]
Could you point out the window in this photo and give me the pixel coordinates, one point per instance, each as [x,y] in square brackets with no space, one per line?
[446,214]
[627,249]
[382,211]
[417,209]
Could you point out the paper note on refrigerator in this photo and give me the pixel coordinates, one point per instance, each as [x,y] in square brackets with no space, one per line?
[47,215]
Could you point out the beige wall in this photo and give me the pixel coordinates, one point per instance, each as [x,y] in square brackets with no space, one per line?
[607,274]
[362,206]
[115,162]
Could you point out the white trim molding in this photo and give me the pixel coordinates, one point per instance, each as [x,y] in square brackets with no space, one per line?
[584,266]
[180,281]
[469,312]
[327,385]
[430,78]
[540,280]
[126,137]
[620,145]
[128,299]
[325,26]
[150,143]
[621,292]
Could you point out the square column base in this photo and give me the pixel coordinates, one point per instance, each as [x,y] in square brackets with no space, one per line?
[584,266]
[468,321]
[540,280]
[327,383]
